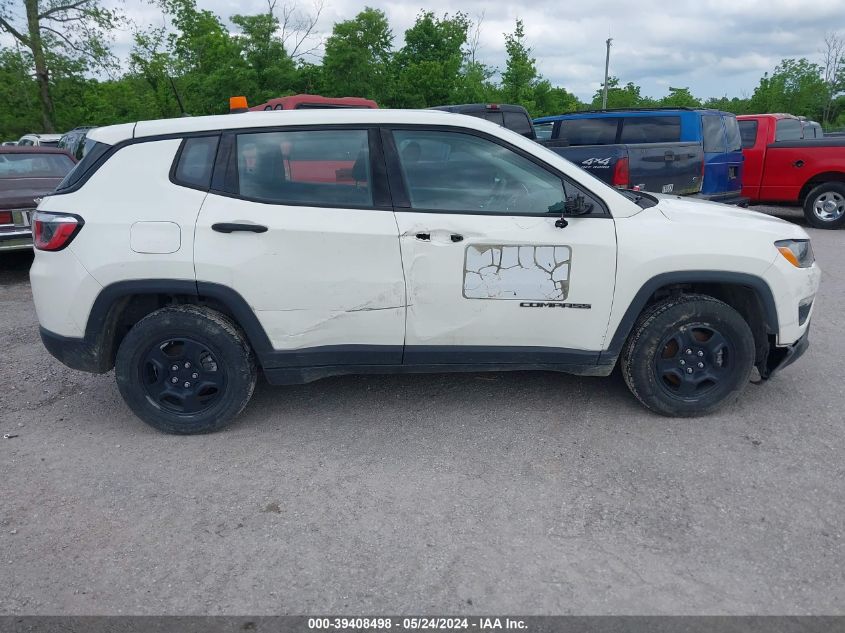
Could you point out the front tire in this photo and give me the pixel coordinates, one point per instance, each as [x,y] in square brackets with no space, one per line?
[688,356]
[824,207]
[185,370]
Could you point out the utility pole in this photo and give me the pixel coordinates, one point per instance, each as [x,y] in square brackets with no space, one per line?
[606,68]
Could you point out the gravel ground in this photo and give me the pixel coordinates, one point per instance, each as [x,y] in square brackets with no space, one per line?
[529,493]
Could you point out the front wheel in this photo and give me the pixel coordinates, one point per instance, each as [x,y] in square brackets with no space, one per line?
[688,356]
[824,207]
[185,370]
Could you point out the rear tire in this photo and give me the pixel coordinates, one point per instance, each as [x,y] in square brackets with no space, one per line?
[185,370]
[824,207]
[688,356]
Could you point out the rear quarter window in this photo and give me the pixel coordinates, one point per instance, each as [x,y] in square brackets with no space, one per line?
[196,162]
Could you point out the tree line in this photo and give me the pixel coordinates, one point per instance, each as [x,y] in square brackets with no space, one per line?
[60,71]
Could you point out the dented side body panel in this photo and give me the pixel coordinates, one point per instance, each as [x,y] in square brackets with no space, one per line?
[318,276]
[482,290]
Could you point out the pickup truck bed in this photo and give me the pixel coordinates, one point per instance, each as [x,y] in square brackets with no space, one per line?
[781,168]
[659,167]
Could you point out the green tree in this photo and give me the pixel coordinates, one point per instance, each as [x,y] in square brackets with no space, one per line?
[427,66]
[735,105]
[18,94]
[627,97]
[550,100]
[796,86]
[57,30]
[208,62]
[680,98]
[357,56]
[520,76]
[272,71]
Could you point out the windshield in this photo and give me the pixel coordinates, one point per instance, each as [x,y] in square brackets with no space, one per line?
[34,165]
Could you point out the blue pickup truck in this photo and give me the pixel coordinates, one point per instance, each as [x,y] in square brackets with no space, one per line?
[684,151]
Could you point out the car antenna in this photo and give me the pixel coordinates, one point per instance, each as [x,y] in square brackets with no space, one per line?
[178,98]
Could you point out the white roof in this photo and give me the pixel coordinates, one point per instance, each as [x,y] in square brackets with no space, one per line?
[115,133]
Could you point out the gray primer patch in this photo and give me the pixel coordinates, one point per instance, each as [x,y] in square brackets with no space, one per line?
[493,271]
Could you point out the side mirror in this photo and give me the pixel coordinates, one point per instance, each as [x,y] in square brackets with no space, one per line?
[572,206]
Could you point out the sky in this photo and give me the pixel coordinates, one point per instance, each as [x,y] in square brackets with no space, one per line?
[714,47]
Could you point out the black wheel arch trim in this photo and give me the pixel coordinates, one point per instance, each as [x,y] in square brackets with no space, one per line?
[101,323]
[635,308]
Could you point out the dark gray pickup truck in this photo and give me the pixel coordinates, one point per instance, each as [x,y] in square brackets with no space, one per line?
[683,151]
[660,167]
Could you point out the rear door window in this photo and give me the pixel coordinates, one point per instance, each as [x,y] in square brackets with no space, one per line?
[651,129]
[788,130]
[306,168]
[598,131]
[748,132]
[713,134]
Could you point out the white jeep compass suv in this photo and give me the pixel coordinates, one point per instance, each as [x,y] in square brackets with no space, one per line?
[189,253]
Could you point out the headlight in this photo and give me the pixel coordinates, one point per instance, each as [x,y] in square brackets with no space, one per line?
[799,253]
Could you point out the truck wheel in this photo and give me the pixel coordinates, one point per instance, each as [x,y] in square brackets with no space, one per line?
[688,356]
[185,369]
[824,207]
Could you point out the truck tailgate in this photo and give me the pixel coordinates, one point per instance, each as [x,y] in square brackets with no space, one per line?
[660,167]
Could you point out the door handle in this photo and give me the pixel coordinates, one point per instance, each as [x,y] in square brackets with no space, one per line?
[231,227]
[456,238]
[425,237]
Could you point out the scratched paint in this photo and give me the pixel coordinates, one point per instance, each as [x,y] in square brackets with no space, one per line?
[493,271]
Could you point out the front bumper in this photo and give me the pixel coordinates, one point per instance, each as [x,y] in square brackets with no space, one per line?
[780,357]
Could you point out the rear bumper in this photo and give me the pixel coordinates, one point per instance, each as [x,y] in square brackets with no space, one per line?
[76,353]
[15,240]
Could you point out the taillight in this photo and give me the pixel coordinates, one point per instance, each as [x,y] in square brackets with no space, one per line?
[621,175]
[5,217]
[54,231]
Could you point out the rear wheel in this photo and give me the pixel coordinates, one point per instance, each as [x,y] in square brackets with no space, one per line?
[688,356]
[185,370]
[824,207]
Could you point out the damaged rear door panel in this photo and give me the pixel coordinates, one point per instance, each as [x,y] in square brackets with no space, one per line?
[317,253]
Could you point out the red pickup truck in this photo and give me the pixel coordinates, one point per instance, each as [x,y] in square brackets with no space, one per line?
[782,166]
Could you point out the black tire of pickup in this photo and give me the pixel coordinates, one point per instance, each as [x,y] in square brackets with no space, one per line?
[688,356]
[824,206]
[185,370]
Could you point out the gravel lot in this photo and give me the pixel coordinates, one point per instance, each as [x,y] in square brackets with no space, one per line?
[528,493]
